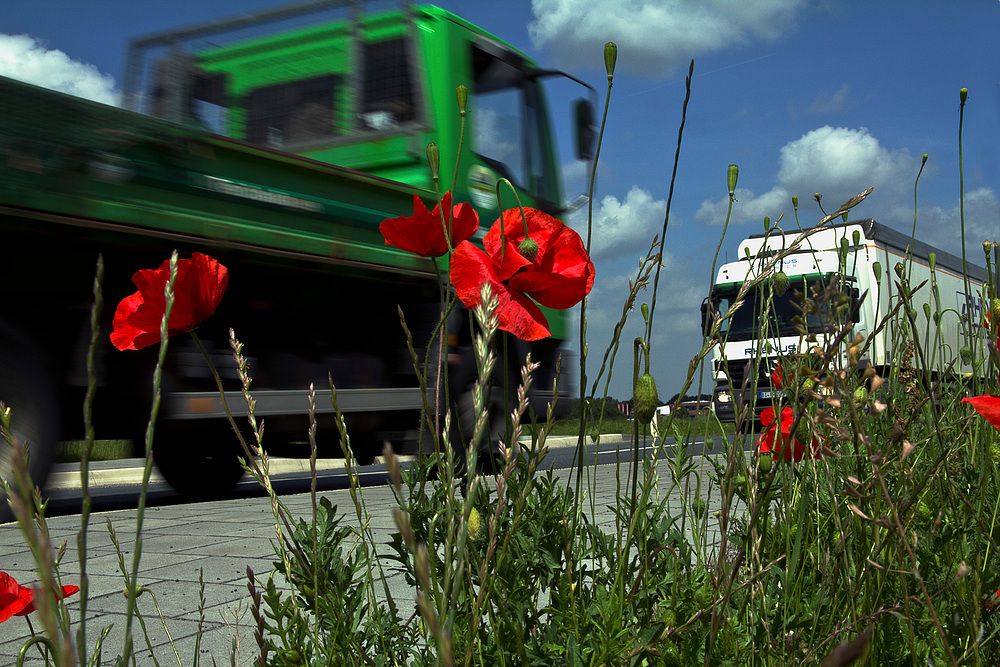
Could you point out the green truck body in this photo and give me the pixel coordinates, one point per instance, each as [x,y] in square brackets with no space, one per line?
[278,155]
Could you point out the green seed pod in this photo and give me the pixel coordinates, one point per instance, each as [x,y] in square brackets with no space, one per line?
[434,159]
[995,311]
[963,95]
[462,93]
[932,260]
[645,312]
[780,282]
[965,353]
[610,57]
[646,399]
[528,249]
[765,463]
[877,270]
[732,176]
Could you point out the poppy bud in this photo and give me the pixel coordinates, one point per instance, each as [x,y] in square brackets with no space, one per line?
[434,159]
[995,311]
[733,176]
[528,249]
[927,311]
[877,270]
[963,94]
[932,260]
[646,400]
[900,269]
[462,93]
[795,202]
[986,248]
[645,312]
[923,161]
[780,282]
[610,58]
[965,352]
[803,433]
[698,506]
[765,463]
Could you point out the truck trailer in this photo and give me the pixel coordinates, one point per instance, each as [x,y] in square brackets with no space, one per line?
[278,154]
[860,259]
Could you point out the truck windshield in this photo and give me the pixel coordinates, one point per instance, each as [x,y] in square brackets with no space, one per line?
[764,314]
[511,127]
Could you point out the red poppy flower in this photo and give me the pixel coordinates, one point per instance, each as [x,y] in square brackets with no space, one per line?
[560,275]
[986,405]
[423,234]
[201,282]
[777,378]
[18,600]
[769,441]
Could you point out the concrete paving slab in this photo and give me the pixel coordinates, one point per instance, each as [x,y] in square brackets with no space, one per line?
[221,538]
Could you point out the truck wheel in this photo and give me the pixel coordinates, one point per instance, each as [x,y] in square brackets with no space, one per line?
[199,458]
[26,388]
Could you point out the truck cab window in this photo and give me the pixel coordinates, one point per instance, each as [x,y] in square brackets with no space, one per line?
[510,123]
[387,99]
[292,113]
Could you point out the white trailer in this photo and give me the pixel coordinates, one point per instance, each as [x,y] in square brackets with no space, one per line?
[751,343]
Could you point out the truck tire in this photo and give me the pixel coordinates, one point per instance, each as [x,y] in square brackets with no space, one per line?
[26,387]
[199,458]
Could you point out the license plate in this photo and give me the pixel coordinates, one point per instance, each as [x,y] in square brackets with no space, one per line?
[767,394]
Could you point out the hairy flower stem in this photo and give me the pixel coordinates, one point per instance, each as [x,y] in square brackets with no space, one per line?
[670,197]
[580,442]
[88,428]
[131,583]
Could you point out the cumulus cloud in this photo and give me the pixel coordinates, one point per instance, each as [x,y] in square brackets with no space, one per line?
[24,58]
[623,226]
[942,226]
[654,37]
[836,162]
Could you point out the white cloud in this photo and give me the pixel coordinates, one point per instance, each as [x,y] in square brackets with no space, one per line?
[836,162]
[25,59]
[654,37]
[623,226]
[825,103]
[942,227]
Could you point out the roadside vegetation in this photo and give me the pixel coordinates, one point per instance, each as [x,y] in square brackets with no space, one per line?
[863,530]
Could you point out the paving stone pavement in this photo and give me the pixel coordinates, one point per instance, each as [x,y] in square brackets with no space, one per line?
[215,541]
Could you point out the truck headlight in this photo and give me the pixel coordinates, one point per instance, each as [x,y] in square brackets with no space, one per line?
[722,397]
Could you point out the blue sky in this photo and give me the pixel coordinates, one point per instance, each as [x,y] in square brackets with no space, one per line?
[805,95]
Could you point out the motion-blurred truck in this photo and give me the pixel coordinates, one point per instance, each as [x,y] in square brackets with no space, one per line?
[278,153]
[859,259]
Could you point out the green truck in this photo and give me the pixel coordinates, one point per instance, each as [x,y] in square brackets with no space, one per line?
[278,154]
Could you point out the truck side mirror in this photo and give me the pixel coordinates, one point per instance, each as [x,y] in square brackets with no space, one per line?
[586,132]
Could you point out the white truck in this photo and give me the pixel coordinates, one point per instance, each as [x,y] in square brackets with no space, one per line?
[849,254]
